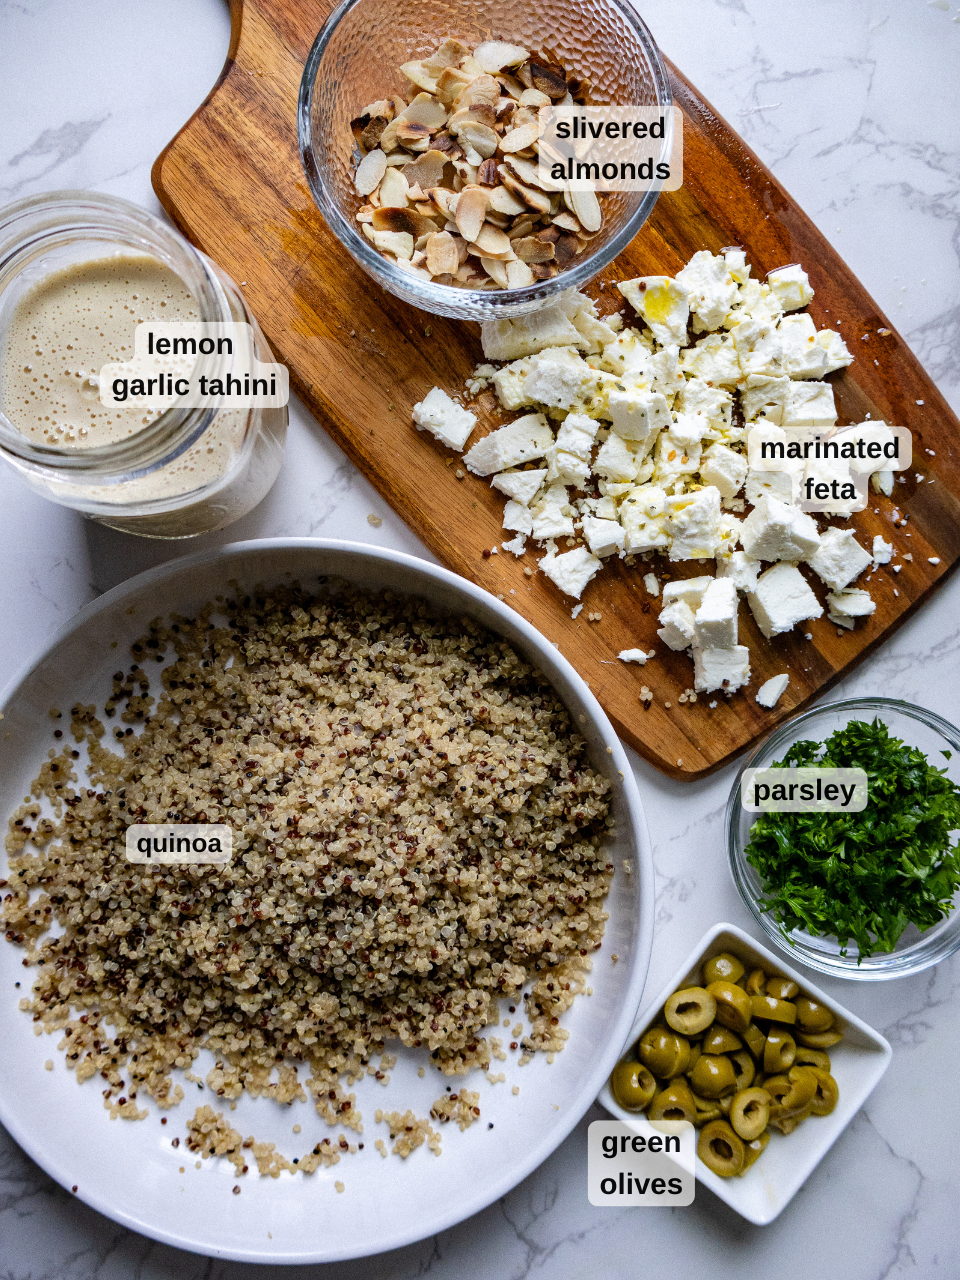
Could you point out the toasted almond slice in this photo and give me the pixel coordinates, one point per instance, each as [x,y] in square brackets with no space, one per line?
[394,189]
[442,257]
[422,76]
[587,208]
[566,222]
[416,194]
[549,79]
[483,89]
[425,109]
[525,75]
[522,226]
[500,220]
[397,159]
[473,158]
[519,139]
[525,116]
[525,170]
[448,55]
[427,208]
[419,256]
[481,138]
[467,171]
[566,249]
[427,170]
[534,98]
[398,242]
[471,211]
[544,270]
[531,197]
[502,201]
[415,137]
[494,55]
[420,246]
[551,234]
[365,214]
[530,249]
[496,270]
[471,66]
[382,107]
[443,199]
[512,85]
[370,172]
[374,199]
[519,275]
[388,139]
[451,84]
[406,220]
[367,230]
[491,241]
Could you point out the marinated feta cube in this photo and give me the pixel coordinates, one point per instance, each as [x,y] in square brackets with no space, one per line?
[693,524]
[828,481]
[710,288]
[781,599]
[713,360]
[803,356]
[737,264]
[665,373]
[552,514]
[521,486]
[444,418]
[809,404]
[556,377]
[764,397]
[711,403]
[604,537]
[615,460]
[716,619]
[526,335]
[637,414]
[566,468]
[844,607]
[510,384]
[742,570]
[770,692]
[517,518]
[662,303]
[677,628]
[673,460]
[629,356]
[759,348]
[690,590]
[783,485]
[519,441]
[725,469]
[838,357]
[839,558]
[755,301]
[577,434]
[730,530]
[776,530]
[716,669]
[571,570]
[792,286]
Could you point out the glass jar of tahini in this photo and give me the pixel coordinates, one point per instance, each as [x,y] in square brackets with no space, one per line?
[78,272]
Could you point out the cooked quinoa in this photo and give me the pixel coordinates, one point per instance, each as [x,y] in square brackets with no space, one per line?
[417,833]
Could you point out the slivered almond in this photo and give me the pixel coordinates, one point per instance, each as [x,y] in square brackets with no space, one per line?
[451,84]
[365,214]
[427,208]
[496,270]
[406,221]
[398,159]
[471,211]
[543,270]
[523,226]
[527,172]
[448,55]
[382,107]
[552,233]
[502,201]
[534,98]
[548,78]
[421,75]
[492,242]
[529,195]
[415,194]
[427,170]
[494,55]
[530,249]
[398,242]
[566,222]
[512,85]
[587,208]
[481,137]
[442,258]
[426,110]
[519,139]
[519,275]
[525,75]
[369,135]
[388,139]
[498,220]
[415,137]
[483,89]
[394,189]
[370,172]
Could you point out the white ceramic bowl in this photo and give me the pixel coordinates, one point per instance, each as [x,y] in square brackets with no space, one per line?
[857,1063]
[129,1170]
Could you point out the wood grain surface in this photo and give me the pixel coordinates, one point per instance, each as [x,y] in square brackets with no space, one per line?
[360,359]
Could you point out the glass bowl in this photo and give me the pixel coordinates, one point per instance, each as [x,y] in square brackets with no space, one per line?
[356,59]
[915,951]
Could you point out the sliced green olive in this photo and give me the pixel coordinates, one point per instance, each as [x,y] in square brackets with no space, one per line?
[779,1051]
[695,1051]
[812,1058]
[773,1009]
[713,1075]
[673,1102]
[812,1015]
[743,1068]
[725,967]
[721,1040]
[707,1109]
[733,1005]
[787,1124]
[750,1113]
[724,1102]
[663,1052]
[755,982]
[690,1010]
[755,1040]
[792,1092]
[782,988]
[828,1092]
[819,1039]
[752,1151]
[632,1085]
[720,1149]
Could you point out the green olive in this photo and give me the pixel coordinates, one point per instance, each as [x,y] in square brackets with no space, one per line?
[720,1149]
[733,1005]
[720,1040]
[755,982]
[750,1113]
[695,1051]
[787,1124]
[828,1092]
[724,967]
[663,1052]
[752,1151]
[632,1085]
[743,1068]
[782,988]
[812,1058]
[819,1039]
[792,1092]
[690,1010]
[755,1040]
[713,1075]
[812,1015]
[779,1051]
[773,1009]
[707,1109]
[724,1102]
[673,1102]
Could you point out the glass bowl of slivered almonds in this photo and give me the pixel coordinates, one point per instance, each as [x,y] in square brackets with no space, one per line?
[452,89]
[867,895]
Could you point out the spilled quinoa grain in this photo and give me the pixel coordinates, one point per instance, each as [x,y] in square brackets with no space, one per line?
[417,833]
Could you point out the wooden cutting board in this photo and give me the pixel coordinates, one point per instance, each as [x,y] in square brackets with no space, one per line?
[232,182]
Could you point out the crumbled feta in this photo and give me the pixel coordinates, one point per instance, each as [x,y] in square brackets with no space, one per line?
[521,486]
[603,536]
[882,482]
[792,286]
[764,397]
[838,357]
[693,523]
[662,303]
[710,288]
[615,460]
[741,569]
[737,264]
[725,669]
[759,348]
[776,530]
[570,571]
[519,441]
[713,360]
[769,693]
[711,403]
[527,335]
[444,418]
[516,545]
[844,607]
[839,558]
[781,599]
[642,514]
[882,551]
[636,414]
[725,469]
[635,655]
[577,434]
[510,384]
[716,619]
[782,485]
[690,590]
[809,404]
[803,356]
[677,628]
[517,518]
[552,514]
[556,377]
[650,584]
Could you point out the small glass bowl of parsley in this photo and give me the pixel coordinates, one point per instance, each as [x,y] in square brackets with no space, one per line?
[868,895]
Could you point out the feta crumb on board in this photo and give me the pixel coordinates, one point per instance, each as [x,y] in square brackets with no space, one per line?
[770,692]
[635,655]
[627,444]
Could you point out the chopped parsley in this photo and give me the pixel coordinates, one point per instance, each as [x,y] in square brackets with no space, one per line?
[863,877]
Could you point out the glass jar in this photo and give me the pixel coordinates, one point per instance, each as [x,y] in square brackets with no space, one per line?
[186,471]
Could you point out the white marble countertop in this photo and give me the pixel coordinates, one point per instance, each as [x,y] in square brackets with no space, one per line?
[854,104]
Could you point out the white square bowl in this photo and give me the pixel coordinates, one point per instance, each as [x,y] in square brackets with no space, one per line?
[857,1063]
